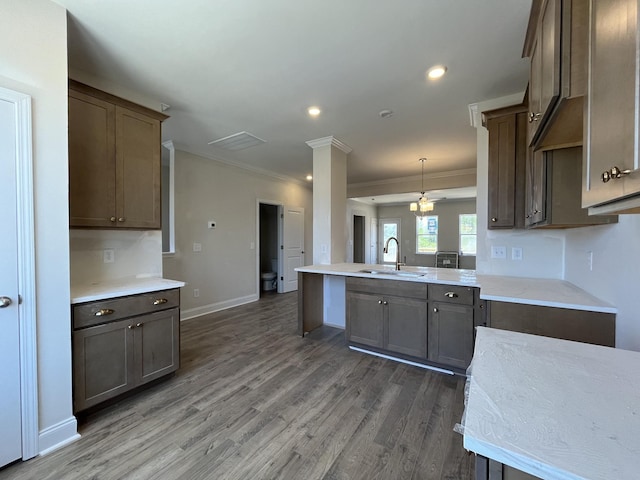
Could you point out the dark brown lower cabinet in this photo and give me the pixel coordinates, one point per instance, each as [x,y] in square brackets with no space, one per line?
[487,469]
[114,357]
[576,325]
[365,315]
[387,315]
[451,334]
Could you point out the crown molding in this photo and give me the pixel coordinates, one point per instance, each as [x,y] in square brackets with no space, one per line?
[330,141]
[249,168]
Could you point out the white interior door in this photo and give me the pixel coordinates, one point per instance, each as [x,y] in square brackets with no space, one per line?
[10,407]
[292,247]
[373,236]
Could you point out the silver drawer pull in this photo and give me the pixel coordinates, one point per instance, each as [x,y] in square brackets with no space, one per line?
[104,311]
[139,324]
[451,295]
[160,301]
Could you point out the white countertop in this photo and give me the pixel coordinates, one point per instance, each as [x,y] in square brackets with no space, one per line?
[119,288]
[530,291]
[553,408]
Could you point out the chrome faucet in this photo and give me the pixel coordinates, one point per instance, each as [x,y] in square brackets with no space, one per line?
[386,250]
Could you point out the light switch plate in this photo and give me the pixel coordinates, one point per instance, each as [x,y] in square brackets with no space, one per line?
[516,253]
[197,247]
[108,255]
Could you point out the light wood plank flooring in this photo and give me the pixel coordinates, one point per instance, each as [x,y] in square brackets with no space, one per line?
[252,400]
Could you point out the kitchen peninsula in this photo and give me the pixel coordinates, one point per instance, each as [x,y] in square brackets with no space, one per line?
[428,315]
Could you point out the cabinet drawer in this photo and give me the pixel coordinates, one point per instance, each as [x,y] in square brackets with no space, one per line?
[103,311]
[451,294]
[387,287]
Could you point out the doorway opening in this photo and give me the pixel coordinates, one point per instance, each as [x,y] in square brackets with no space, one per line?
[268,248]
[358,239]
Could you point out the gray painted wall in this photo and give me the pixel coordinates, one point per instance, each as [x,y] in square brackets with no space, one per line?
[447,211]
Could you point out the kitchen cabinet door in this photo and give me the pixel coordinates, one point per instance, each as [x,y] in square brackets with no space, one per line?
[102,363]
[157,344]
[92,166]
[365,322]
[507,153]
[544,79]
[553,191]
[137,169]
[451,330]
[406,324]
[612,127]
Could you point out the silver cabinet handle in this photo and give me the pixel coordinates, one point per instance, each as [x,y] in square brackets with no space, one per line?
[160,301]
[451,295]
[379,302]
[435,309]
[617,173]
[121,219]
[112,219]
[494,219]
[129,327]
[139,324]
[385,303]
[104,311]
[5,302]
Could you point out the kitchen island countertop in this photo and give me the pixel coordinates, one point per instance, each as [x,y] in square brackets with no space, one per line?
[531,291]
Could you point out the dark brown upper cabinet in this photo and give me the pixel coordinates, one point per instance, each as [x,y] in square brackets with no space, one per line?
[114,161]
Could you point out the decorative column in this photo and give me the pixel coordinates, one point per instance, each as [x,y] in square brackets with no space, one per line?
[329,200]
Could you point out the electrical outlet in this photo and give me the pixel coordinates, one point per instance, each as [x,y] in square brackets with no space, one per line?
[196,292]
[516,253]
[211,224]
[108,255]
[498,252]
[197,247]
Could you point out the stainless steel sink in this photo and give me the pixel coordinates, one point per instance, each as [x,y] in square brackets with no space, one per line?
[396,273]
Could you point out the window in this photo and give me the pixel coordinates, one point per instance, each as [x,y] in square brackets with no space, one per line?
[427,234]
[468,233]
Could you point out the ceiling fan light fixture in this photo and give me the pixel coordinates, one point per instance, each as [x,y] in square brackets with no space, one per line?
[423,205]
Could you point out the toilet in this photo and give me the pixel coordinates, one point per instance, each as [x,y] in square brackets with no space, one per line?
[269,279]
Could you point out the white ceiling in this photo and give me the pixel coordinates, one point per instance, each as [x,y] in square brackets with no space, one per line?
[227,66]
[407,198]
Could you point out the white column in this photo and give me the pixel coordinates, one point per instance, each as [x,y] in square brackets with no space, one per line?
[329,200]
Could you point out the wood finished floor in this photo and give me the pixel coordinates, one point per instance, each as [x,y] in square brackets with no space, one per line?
[252,400]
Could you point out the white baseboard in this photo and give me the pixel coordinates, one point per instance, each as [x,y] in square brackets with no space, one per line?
[57,436]
[216,307]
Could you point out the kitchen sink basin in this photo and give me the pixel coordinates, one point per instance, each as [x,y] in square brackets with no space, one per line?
[396,273]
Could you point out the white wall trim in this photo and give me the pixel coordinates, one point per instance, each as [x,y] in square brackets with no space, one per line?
[58,435]
[172,221]
[330,140]
[26,269]
[218,306]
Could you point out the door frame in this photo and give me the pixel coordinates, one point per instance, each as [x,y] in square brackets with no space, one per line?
[280,260]
[26,271]
[381,222]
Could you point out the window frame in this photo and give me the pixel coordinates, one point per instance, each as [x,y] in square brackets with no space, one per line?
[460,234]
[418,234]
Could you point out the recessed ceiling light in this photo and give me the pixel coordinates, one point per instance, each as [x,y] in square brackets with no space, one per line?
[309,177]
[314,111]
[436,71]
